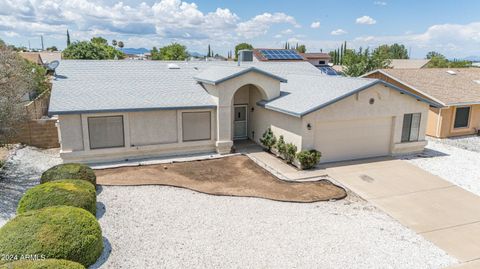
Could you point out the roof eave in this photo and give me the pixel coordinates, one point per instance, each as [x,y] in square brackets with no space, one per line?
[247,70]
[120,110]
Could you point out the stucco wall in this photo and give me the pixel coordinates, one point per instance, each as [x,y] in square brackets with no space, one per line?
[387,103]
[447,121]
[147,134]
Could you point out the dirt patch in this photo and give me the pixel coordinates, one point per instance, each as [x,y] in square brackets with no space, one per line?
[231,176]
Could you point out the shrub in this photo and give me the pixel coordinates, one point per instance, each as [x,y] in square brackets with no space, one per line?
[280,146]
[42,264]
[71,192]
[290,151]
[268,139]
[59,232]
[69,170]
[309,158]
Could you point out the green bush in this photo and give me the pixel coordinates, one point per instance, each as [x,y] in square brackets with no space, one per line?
[280,146]
[2,163]
[71,192]
[309,158]
[69,170]
[42,264]
[59,232]
[268,139]
[290,152]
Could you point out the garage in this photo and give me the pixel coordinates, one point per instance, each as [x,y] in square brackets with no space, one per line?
[353,139]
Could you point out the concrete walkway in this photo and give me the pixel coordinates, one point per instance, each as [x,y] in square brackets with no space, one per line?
[440,211]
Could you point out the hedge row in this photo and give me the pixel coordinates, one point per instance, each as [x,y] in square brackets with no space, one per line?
[56,220]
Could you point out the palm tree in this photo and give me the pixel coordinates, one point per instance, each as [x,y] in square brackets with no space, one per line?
[120,44]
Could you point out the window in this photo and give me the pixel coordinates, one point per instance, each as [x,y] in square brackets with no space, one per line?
[106,132]
[196,126]
[411,127]
[462,114]
[321,62]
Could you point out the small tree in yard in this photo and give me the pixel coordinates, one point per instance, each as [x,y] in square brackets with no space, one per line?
[280,146]
[290,152]
[309,158]
[17,79]
[268,139]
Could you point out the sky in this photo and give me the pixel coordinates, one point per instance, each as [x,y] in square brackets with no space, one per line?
[446,26]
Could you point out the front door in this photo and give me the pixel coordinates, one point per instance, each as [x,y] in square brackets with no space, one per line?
[240,122]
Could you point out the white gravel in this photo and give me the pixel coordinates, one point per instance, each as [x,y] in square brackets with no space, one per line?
[22,170]
[457,165]
[471,142]
[167,227]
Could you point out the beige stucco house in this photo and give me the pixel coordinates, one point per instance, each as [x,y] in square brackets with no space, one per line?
[119,110]
[457,90]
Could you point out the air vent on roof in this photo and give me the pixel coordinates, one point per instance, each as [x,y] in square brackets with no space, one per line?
[451,72]
[173,66]
[477,81]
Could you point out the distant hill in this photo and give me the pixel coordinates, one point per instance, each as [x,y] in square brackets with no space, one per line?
[472,58]
[196,54]
[135,50]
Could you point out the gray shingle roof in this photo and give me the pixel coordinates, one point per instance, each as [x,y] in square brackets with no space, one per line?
[217,74]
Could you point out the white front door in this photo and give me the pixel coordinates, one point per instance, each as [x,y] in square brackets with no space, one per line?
[240,122]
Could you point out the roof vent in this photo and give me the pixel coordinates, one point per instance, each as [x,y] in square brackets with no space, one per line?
[451,72]
[245,55]
[173,66]
[477,81]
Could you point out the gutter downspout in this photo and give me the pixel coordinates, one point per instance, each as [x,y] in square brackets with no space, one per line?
[438,122]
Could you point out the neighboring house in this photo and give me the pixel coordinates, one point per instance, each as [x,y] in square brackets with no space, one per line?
[317,59]
[33,57]
[50,56]
[119,110]
[274,55]
[408,63]
[457,90]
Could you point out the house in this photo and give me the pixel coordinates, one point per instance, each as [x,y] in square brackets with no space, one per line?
[408,63]
[272,55]
[50,56]
[119,110]
[457,90]
[317,58]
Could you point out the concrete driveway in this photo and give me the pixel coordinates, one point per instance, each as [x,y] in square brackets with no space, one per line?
[442,212]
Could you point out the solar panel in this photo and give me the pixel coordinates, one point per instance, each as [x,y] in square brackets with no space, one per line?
[280,54]
[328,70]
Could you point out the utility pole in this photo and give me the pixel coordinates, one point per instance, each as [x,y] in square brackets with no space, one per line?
[41,38]
[29,48]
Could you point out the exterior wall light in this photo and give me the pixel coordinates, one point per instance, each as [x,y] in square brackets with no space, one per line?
[252,109]
[309,126]
[371,101]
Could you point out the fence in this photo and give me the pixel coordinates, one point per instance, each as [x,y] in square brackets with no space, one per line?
[38,108]
[40,133]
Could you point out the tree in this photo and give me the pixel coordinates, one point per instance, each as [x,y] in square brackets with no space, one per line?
[96,49]
[302,49]
[242,46]
[16,81]
[357,63]
[209,53]
[172,52]
[52,48]
[2,43]
[114,43]
[432,54]
[120,44]
[68,38]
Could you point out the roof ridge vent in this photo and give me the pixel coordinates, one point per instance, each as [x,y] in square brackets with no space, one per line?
[173,66]
[451,72]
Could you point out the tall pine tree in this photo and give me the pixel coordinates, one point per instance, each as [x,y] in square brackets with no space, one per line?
[68,38]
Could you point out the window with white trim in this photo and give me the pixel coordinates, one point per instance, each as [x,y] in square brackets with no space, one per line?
[462,116]
[411,127]
[106,132]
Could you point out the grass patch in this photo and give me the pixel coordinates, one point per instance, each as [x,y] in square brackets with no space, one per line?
[70,192]
[69,170]
[60,232]
[42,264]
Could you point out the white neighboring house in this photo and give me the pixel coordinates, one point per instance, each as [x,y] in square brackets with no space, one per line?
[119,110]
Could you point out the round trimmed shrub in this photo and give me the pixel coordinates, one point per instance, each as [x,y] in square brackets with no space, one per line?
[69,170]
[71,192]
[59,232]
[42,264]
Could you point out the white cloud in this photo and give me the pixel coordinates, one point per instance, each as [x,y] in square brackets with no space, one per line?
[338,32]
[287,32]
[162,21]
[315,25]
[260,24]
[380,3]
[366,20]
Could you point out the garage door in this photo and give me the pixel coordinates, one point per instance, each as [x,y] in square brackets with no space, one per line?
[355,139]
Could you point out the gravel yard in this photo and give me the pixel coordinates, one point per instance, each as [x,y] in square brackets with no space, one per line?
[22,170]
[457,165]
[471,142]
[168,227]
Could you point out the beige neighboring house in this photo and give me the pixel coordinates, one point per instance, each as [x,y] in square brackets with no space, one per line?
[317,58]
[33,57]
[50,56]
[457,90]
[408,63]
[119,110]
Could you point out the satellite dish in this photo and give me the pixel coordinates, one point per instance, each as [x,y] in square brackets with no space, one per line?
[53,65]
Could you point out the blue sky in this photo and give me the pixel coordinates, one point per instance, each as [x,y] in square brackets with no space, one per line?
[450,27]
